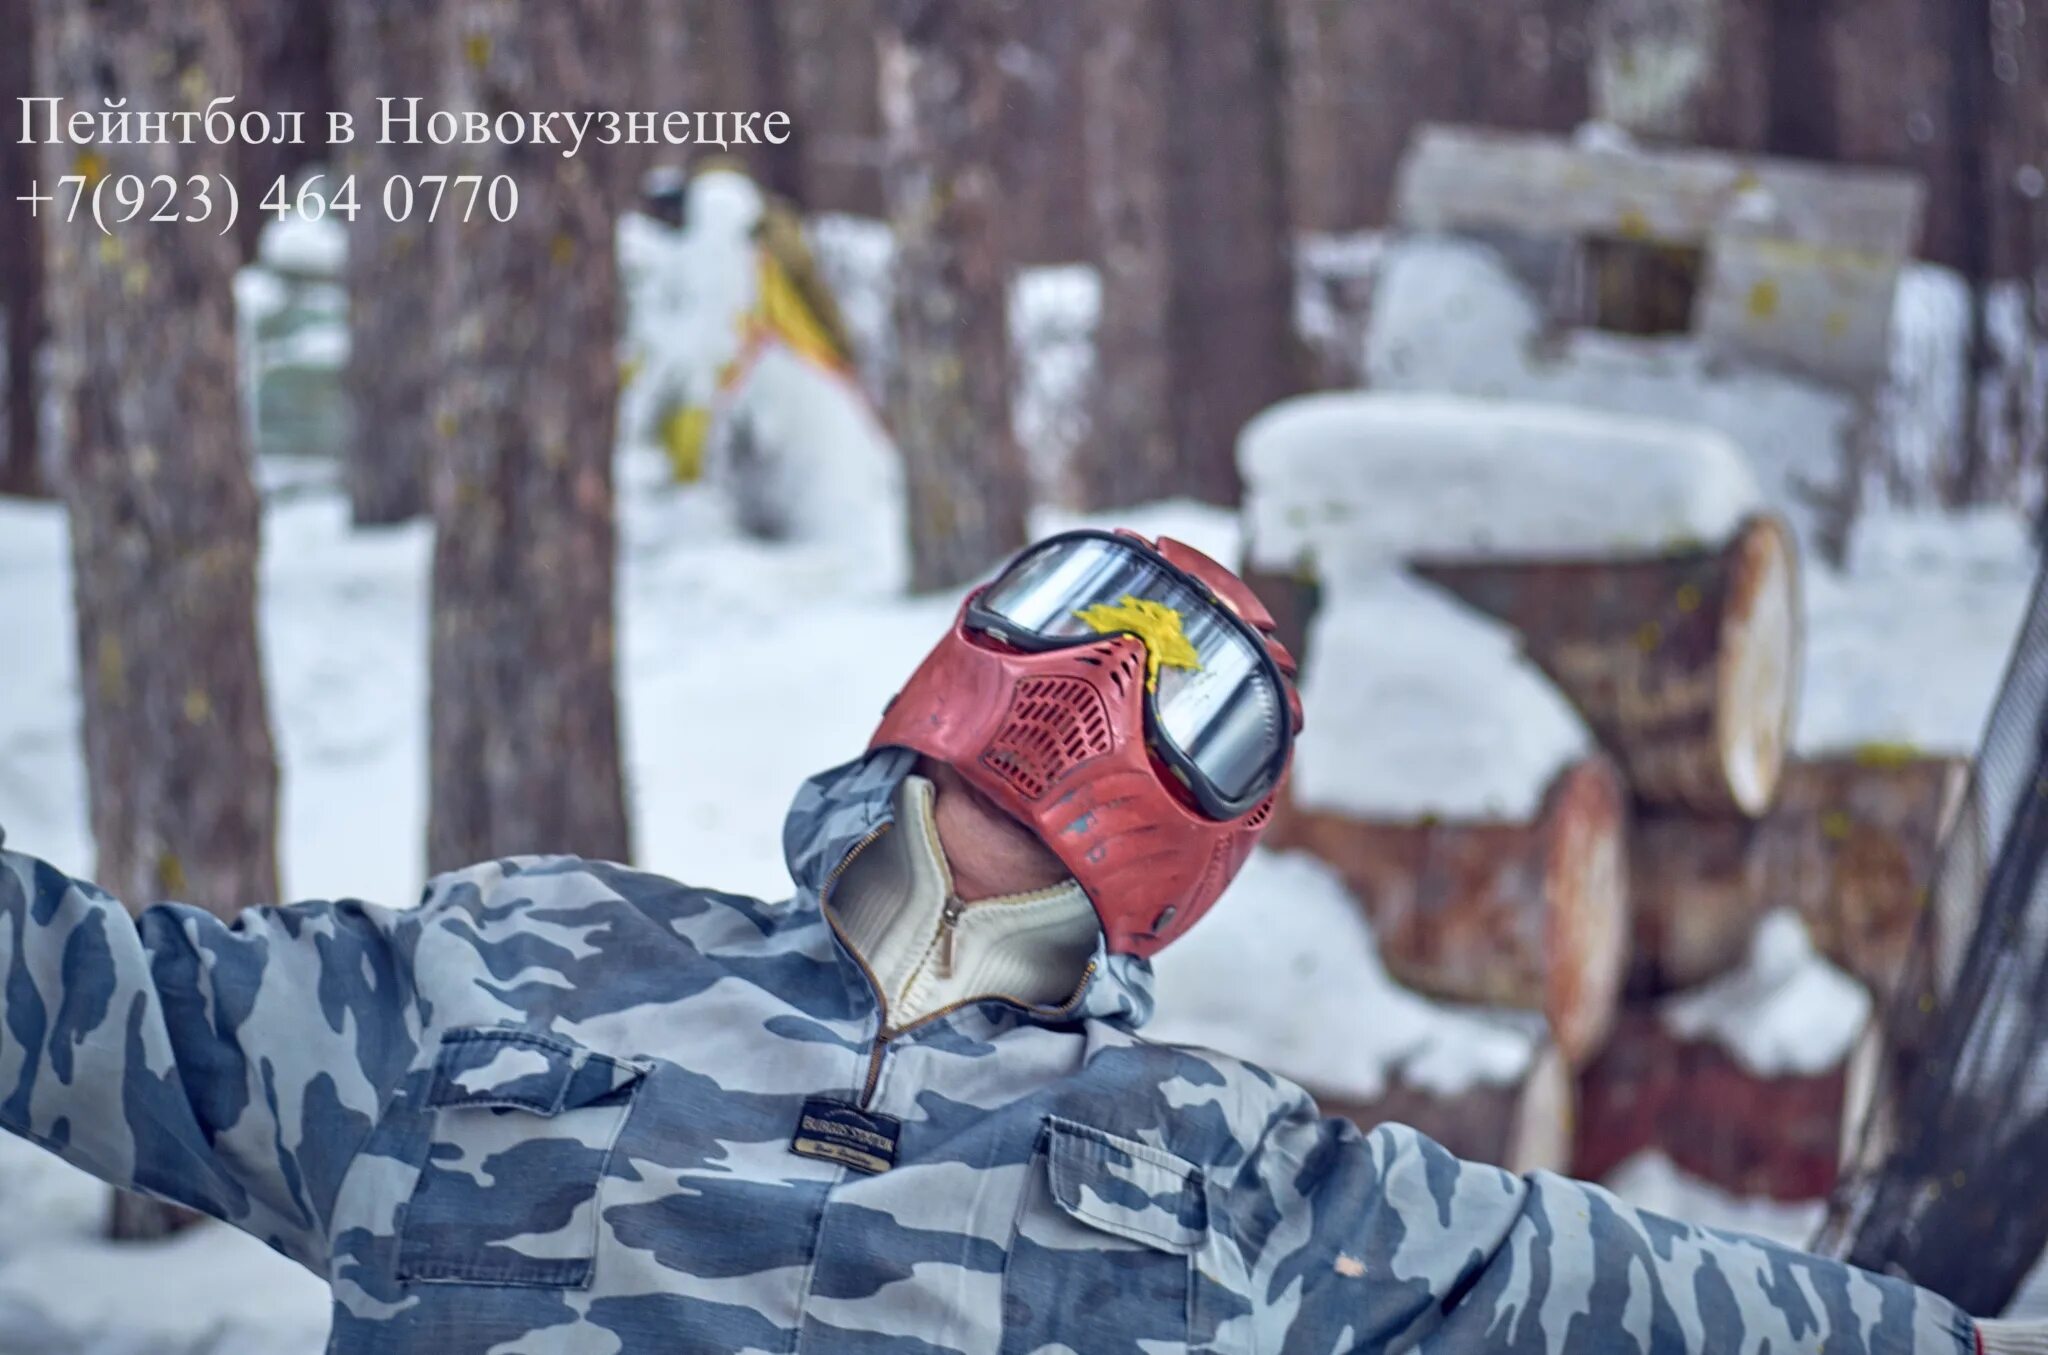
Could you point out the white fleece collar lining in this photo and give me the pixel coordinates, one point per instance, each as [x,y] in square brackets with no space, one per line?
[892,906]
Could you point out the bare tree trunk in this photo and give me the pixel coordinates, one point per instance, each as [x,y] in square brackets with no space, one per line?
[21,272]
[164,518]
[739,65]
[287,64]
[523,712]
[388,49]
[830,45]
[1231,323]
[1128,455]
[1364,76]
[1044,166]
[942,101]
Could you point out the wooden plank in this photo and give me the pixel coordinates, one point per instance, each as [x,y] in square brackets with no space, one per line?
[1786,304]
[1462,179]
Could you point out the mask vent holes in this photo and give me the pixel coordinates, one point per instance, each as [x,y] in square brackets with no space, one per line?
[1054,724]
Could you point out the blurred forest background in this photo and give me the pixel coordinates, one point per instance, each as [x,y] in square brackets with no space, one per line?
[1033,259]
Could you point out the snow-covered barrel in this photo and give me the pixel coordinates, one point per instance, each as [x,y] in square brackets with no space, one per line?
[1633,557]
[1459,797]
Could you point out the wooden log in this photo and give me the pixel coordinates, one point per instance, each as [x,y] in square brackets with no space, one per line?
[1697,1103]
[1466,179]
[1526,915]
[1852,845]
[1684,664]
[1524,1125]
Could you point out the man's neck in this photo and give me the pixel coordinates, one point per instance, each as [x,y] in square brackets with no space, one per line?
[930,952]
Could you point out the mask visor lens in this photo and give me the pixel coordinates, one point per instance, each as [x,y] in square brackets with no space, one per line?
[1215,697]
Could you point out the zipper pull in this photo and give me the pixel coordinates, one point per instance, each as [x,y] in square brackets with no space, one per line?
[948,920]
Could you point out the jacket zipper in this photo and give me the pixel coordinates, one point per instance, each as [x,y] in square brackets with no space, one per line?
[948,920]
[882,1038]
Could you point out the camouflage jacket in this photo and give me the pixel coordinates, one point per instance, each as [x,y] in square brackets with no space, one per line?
[553,1108]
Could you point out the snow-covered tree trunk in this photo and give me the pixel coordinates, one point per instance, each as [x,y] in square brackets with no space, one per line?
[181,776]
[1231,324]
[21,269]
[524,751]
[388,49]
[942,92]
[1128,455]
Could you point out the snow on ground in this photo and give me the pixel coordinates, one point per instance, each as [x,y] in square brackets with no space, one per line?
[1785,1012]
[208,1291]
[1416,705]
[1907,644]
[1284,972]
[1333,477]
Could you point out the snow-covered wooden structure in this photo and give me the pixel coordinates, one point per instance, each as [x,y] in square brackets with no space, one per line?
[1551,662]
[1799,263]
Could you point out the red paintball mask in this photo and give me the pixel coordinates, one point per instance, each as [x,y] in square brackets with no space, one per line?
[1127,702]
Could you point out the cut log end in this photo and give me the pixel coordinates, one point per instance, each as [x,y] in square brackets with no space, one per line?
[1758,665]
[1684,664]
[1526,915]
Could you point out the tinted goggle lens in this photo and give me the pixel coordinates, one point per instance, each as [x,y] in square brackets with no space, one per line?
[1215,693]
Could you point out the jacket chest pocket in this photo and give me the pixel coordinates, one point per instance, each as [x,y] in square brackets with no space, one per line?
[523,1127]
[1108,1248]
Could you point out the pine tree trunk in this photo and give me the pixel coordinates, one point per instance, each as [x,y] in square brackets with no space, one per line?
[388,49]
[1128,455]
[942,101]
[164,518]
[1365,76]
[21,270]
[1231,322]
[739,63]
[288,63]
[524,750]
[832,82]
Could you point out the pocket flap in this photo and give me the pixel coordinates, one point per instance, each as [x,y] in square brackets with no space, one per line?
[524,1070]
[1127,1188]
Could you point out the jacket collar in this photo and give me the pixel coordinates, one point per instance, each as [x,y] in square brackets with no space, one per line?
[837,810]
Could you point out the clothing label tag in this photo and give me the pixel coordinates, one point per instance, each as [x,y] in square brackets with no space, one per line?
[838,1132]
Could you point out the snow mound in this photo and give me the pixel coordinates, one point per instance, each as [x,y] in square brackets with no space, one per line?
[1786,1012]
[805,458]
[1416,705]
[1450,316]
[1339,477]
[1284,973]
[1907,645]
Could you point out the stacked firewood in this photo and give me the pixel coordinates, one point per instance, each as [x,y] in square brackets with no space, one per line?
[1701,916]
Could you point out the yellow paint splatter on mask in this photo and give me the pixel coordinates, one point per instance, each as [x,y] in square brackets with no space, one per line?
[1158,625]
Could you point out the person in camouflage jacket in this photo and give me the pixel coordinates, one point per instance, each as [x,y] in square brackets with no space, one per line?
[563,1106]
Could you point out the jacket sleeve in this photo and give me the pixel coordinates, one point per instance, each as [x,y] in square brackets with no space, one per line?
[231,1067]
[1401,1246]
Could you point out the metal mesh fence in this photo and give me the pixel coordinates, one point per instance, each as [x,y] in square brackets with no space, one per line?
[1949,1183]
